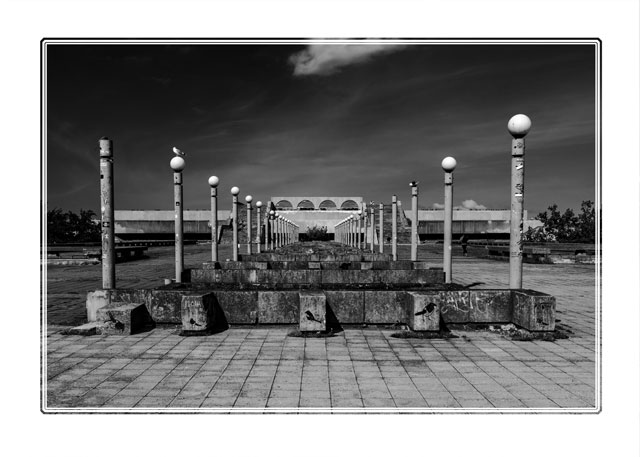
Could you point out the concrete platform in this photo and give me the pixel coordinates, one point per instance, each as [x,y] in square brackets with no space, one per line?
[361,369]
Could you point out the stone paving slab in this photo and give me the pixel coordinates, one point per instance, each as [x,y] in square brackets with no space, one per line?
[361,369]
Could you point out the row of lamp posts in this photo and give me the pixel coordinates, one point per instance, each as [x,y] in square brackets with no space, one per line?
[281,231]
[346,232]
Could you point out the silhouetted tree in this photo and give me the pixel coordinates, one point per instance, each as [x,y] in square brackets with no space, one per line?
[69,227]
[565,227]
[317,234]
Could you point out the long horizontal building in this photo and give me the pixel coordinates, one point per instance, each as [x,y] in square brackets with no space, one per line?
[309,212]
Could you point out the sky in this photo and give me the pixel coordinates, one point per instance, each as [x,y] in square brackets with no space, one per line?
[325,119]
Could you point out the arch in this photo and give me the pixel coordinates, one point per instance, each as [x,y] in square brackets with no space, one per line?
[327,204]
[306,205]
[284,204]
[349,205]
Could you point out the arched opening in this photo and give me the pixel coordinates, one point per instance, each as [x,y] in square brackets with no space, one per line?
[349,205]
[284,204]
[306,205]
[328,205]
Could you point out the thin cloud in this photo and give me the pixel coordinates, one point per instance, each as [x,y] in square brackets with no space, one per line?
[323,60]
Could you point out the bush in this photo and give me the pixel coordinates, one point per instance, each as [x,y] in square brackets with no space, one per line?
[317,234]
[565,227]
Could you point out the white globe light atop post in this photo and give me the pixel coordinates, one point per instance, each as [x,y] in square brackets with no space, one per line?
[234,215]
[177,164]
[213,182]
[448,165]
[518,126]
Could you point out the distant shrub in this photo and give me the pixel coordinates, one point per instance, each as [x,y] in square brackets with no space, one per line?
[317,234]
[565,227]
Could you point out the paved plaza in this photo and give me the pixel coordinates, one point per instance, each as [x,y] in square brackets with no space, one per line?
[363,369]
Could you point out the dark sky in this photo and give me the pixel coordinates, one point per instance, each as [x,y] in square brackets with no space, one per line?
[325,120]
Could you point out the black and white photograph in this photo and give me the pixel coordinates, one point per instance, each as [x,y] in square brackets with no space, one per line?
[276,228]
[322,226]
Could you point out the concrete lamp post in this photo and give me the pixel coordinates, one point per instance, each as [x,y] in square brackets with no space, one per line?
[258,227]
[359,230]
[414,222]
[448,165]
[107,214]
[271,221]
[177,165]
[372,215]
[213,182]
[248,199]
[381,230]
[394,227]
[518,126]
[234,216]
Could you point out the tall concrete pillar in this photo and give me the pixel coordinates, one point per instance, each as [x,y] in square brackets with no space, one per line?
[213,182]
[372,215]
[380,222]
[258,227]
[365,226]
[107,214]
[248,199]
[519,125]
[394,227]
[414,222]
[177,165]
[359,230]
[448,165]
[234,215]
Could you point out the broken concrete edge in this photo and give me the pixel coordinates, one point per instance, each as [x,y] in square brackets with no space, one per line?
[529,309]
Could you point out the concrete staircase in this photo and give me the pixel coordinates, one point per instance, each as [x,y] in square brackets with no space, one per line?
[403,224]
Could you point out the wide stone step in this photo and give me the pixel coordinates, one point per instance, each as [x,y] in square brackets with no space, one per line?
[529,309]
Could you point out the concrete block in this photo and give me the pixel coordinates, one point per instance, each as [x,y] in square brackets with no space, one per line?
[533,310]
[211,265]
[423,310]
[384,307]
[490,306]
[401,265]
[338,276]
[88,329]
[278,307]
[239,307]
[95,300]
[124,318]
[197,312]
[366,265]
[455,306]
[165,305]
[420,265]
[381,265]
[347,305]
[314,265]
[313,311]
[366,277]
[295,277]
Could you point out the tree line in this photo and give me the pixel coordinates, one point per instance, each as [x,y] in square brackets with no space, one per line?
[69,227]
[566,227]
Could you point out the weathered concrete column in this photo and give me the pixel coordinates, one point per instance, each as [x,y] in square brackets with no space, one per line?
[414,222]
[248,199]
[271,222]
[106,213]
[365,226]
[234,215]
[213,182]
[519,125]
[177,165]
[258,227]
[380,222]
[394,227]
[372,215]
[448,165]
